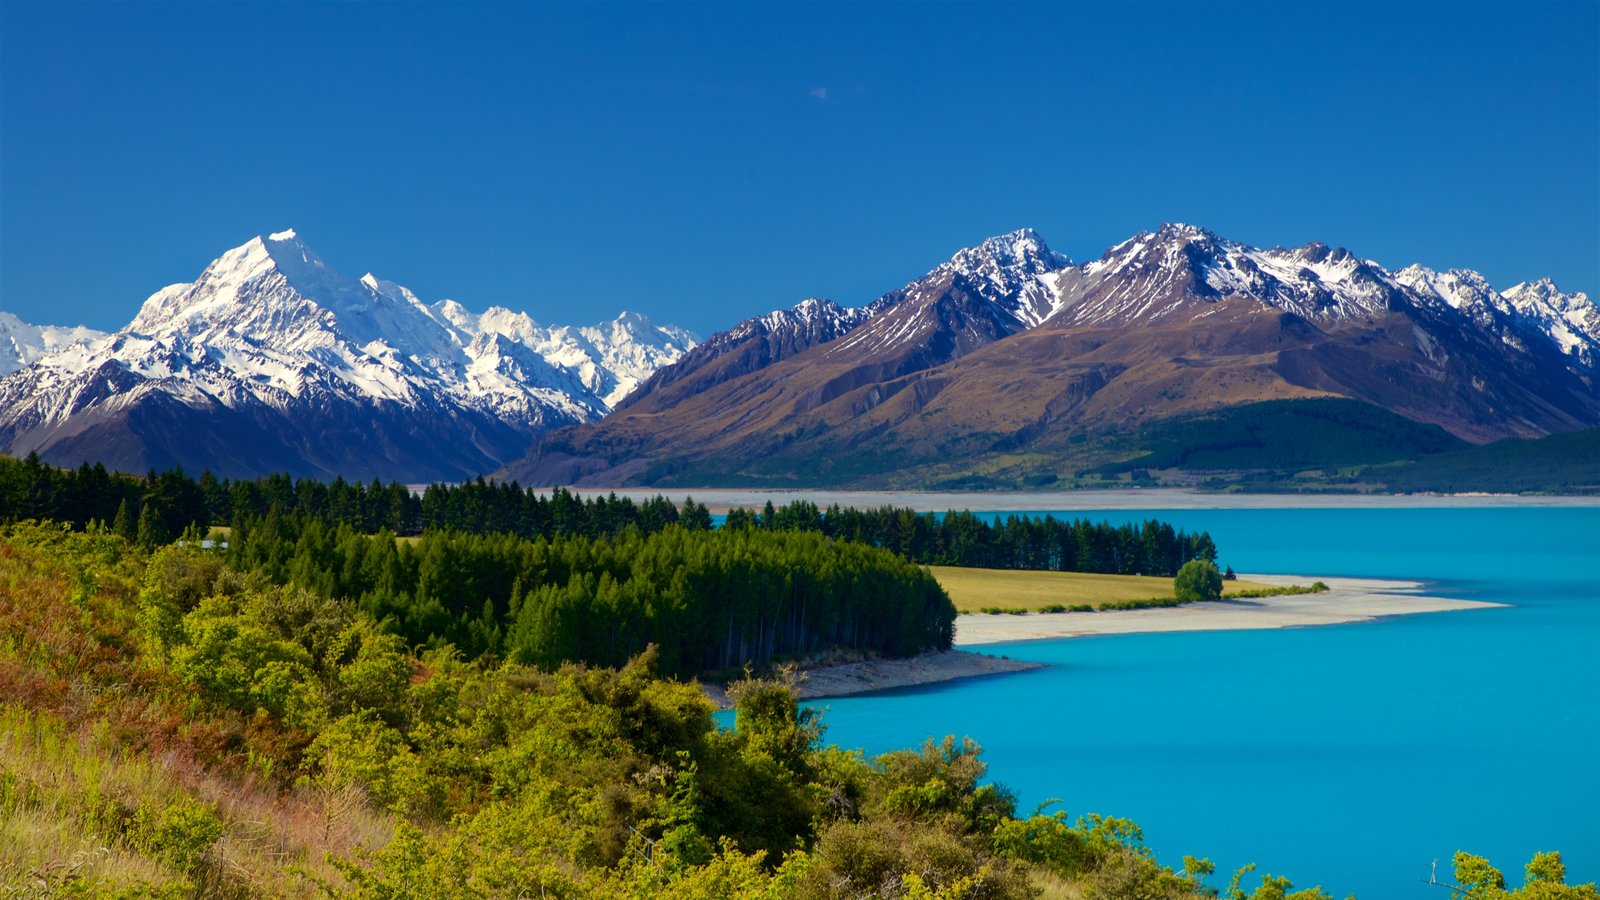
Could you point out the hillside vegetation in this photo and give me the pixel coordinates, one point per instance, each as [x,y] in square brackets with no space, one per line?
[177,727]
[174,727]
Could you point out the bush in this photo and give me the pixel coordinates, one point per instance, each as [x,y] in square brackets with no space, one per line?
[1197,580]
[187,832]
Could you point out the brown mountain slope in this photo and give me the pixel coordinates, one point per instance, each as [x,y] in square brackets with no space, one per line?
[950,379]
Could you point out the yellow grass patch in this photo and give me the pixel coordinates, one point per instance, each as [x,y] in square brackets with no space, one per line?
[974,589]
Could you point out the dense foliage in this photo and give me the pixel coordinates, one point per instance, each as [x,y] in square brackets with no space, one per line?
[1546,880]
[1287,435]
[166,503]
[157,508]
[1015,542]
[1554,464]
[1198,579]
[708,600]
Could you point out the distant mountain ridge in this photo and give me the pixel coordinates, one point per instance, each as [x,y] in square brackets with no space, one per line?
[22,343]
[273,361]
[1007,357]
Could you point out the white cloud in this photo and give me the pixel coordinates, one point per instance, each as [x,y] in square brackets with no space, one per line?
[821,93]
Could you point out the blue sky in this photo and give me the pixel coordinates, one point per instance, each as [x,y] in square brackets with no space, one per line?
[704,162]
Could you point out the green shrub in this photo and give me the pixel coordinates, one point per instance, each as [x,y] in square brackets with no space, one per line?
[1198,579]
[186,833]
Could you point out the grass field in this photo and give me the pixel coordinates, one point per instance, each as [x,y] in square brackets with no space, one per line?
[974,589]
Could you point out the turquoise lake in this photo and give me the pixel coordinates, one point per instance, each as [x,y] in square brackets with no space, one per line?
[1349,756]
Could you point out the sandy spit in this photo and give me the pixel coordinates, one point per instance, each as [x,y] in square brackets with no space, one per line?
[1347,600]
[720,500]
[881,674]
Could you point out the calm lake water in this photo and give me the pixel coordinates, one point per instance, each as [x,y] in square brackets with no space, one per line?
[1348,756]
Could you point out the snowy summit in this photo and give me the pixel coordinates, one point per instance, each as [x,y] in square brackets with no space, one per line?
[271,343]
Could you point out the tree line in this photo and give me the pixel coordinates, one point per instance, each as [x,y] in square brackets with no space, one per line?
[1014,542]
[164,504]
[158,507]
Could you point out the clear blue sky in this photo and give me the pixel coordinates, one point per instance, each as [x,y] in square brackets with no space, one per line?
[702,163]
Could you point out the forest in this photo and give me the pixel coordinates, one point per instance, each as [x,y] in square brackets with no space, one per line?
[545,578]
[709,601]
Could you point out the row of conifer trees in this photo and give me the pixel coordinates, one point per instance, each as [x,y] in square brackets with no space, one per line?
[158,507]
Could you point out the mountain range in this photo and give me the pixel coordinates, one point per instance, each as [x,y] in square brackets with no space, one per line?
[271,361]
[1012,365]
[1009,364]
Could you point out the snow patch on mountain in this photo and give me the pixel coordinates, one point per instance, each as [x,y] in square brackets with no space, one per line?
[1571,320]
[1015,271]
[1013,277]
[1154,274]
[22,343]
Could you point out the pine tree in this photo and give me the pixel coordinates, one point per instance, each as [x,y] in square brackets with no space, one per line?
[123,523]
[150,528]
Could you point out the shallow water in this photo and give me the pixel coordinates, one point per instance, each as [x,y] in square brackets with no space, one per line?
[1349,756]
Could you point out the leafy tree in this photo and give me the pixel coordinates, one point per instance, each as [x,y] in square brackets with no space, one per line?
[1198,579]
[1546,880]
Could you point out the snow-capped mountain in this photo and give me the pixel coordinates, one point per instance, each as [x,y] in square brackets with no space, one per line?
[1169,271]
[21,343]
[1004,285]
[1180,268]
[1571,320]
[1010,348]
[1013,271]
[284,364]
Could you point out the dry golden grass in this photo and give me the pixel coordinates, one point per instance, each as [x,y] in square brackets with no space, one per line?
[974,589]
[93,751]
[1052,886]
[69,801]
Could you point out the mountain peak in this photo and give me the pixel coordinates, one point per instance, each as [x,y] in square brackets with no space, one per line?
[1183,231]
[632,319]
[1544,292]
[1021,249]
[1539,287]
[294,258]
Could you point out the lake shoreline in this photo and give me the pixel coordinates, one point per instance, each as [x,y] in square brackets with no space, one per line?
[870,675]
[1347,601]
[720,500]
